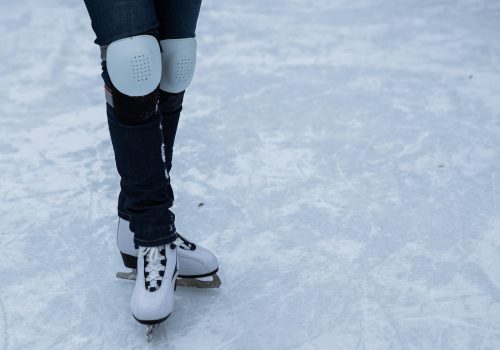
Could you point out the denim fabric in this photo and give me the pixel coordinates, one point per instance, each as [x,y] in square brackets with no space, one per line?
[146,195]
[177,18]
[118,19]
[170,108]
[143,182]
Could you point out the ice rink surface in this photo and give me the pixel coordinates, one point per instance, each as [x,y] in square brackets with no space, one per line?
[346,154]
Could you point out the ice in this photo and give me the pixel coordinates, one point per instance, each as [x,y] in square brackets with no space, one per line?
[347,155]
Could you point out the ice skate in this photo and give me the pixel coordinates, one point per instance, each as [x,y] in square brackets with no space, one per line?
[198,266]
[153,297]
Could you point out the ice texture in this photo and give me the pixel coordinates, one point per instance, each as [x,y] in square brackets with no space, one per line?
[347,155]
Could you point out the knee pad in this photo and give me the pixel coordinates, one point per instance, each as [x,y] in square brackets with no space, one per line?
[178,62]
[134,68]
[134,65]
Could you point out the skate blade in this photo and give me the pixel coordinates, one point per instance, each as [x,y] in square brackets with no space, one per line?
[127,275]
[204,282]
[151,331]
[214,282]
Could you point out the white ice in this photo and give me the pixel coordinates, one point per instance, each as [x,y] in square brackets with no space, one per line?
[347,154]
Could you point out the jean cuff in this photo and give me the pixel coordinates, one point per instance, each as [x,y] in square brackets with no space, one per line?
[156,242]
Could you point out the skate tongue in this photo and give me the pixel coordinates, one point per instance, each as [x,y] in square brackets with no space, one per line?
[152,253]
[154,266]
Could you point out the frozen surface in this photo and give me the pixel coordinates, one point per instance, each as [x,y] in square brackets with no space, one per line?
[347,154]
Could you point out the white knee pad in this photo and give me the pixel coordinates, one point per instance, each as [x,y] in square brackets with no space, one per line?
[134,64]
[178,62]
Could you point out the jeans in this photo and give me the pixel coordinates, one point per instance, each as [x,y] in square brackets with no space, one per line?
[166,19]
[146,195]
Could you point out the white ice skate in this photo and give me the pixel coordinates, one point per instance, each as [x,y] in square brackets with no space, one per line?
[197,265]
[153,297]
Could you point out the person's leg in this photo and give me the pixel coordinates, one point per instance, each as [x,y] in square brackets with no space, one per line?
[177,20]
[132,71]
[133,118]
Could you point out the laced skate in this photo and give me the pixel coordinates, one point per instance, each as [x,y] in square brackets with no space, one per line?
[198,266]
[153,296]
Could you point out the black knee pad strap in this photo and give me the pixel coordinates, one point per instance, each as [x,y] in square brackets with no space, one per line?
[170,102]
[134,110]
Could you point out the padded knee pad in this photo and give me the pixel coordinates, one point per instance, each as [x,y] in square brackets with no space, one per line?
[134,64]
[134,68]
[178,62]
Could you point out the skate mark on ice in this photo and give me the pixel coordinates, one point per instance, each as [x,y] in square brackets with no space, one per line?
[363,197]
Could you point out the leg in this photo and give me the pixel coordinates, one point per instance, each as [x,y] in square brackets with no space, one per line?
[177,27]
[178,19]
[133,120]
[132,72]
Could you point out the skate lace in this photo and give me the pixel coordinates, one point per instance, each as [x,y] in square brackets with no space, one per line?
[153,265]
[185,244]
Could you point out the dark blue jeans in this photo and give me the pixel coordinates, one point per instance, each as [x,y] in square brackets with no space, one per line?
[118,19]
[146,195]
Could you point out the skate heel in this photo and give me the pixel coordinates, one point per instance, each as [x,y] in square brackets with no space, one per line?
[129,260]
[151,322]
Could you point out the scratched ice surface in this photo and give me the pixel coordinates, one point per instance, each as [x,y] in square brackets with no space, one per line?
[347,154]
